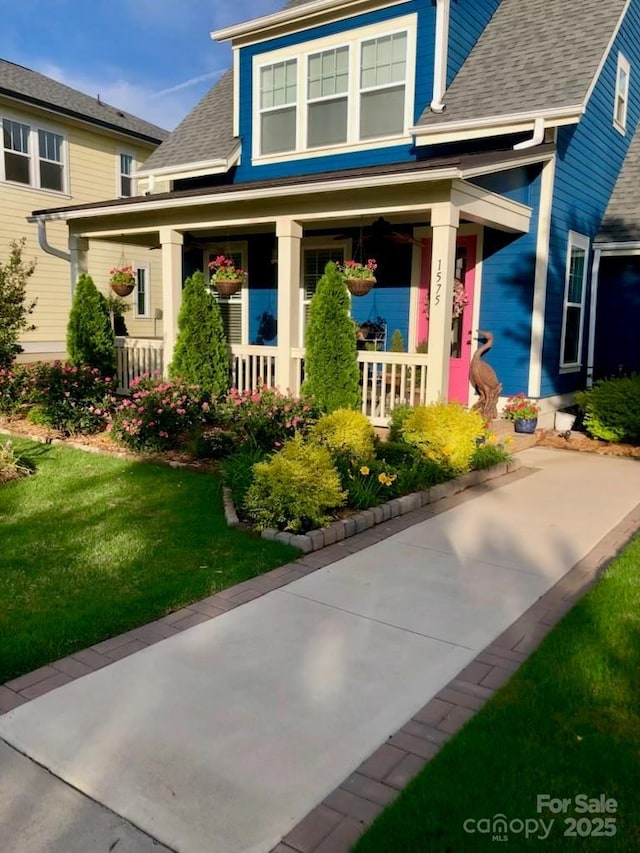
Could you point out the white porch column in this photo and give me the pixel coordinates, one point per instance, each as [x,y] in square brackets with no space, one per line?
[289,234]
[445,219]
[78,249]
[171,242]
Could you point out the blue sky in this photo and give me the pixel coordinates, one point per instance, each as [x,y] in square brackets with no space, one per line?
[153,58]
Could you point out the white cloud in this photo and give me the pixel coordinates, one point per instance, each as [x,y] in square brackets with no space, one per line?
[188,83]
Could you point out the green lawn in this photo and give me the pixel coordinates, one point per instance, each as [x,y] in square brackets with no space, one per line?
[567,724]
[91,546]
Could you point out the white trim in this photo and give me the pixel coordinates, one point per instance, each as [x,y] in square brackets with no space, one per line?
[477,294]
[540,278]
[33,154]
[495,125]
[147,270]
[43,346]
[236,92]
[192,170]
[353,40]
[606,53]
[421,232]
[595,275]
[255,27]
[225,247]
[620,95]
[579,241]
[440,55]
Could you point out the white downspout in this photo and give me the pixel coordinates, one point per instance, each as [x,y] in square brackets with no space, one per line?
[441,55]
[595,274]
[536,139]
[46,246]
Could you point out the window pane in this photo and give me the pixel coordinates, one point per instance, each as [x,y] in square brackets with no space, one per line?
[328,73]
[125,186]
[327,122]
[278,84]
[50,146]
[576,275]
[278,132]
[315,260]
[383,61]
[231,320]
[51,176]
[382,113]
[16,167]
[126,164]
[141,291]
[16,136]
[572,336]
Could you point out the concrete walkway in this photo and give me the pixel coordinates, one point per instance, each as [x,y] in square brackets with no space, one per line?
[223,737]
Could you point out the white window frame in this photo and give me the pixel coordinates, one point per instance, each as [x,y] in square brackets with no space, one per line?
[237,247]
[581,242]
[146,268]
[621,98]
[316,243]
[301,52]
[120,174]
[34,153]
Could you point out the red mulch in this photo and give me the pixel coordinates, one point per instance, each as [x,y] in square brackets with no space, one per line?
[582,442]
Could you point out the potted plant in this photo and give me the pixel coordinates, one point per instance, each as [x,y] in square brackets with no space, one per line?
[122,279]
[226,278]
[358,277]
[523,412]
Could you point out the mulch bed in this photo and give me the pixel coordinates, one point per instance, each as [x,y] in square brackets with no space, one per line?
[580,441]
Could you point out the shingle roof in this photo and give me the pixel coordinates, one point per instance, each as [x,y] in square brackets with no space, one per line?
[534,54]
[29,86]
[206,133]
[621,223]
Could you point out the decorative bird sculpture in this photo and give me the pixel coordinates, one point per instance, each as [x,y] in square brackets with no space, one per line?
[483,378]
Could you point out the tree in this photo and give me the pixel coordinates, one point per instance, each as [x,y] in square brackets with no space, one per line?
[331,365]
[201,356]
[89,334]
[14,307]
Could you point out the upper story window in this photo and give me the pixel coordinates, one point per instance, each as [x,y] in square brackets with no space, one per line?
[352,90]
[126,169]
[34,157]
[621,101]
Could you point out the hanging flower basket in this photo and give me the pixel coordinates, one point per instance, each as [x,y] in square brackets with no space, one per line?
[122,280]
[359,278]
[225,277]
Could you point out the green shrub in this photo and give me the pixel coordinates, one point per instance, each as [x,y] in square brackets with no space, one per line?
[200,356]
[398,452]
[12,466]
[331,366]
[396,423]
[397,341]
[237,470]
[368,484]
[345,432]
[445,433]
[14,306]
[90,340]
[212,442]
[14,388]
[612,409]
[487,455]
[158,416]
[294,489]
[73,399]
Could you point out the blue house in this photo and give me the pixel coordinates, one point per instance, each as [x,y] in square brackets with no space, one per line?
[471,147]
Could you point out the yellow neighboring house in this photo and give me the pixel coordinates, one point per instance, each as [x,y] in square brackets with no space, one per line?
[61,147]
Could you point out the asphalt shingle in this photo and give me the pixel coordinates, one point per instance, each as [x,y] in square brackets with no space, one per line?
[621,223]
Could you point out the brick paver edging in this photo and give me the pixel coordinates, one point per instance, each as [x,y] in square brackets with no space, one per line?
[344,528]
[335,824]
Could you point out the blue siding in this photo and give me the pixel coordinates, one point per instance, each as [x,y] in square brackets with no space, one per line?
[589,160]
[468,18]
[395,154]
[508,269]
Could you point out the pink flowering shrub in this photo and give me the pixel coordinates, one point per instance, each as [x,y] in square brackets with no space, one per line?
[69,398]
[265,417]
[14,388]
[158,414]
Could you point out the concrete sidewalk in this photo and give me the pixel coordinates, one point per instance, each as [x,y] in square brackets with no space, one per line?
[223,737]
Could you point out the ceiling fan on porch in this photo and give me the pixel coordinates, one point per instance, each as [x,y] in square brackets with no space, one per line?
[380,229]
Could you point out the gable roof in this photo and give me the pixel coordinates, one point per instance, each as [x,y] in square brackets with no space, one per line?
[205,134]
[31,87]
[533,56]
[621,223]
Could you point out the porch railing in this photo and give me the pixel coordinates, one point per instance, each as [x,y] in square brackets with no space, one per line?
[387,378]
[136,356]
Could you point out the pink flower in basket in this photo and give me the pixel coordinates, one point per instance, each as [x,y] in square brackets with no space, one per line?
[353,269]
[223,269]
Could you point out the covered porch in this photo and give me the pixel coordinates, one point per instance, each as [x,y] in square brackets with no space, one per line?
[425,230]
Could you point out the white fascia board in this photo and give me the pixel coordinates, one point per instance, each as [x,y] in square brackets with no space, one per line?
[454,131]
[258,27]
[191,170]
[632,247]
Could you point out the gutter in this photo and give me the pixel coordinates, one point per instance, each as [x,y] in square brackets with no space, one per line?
[44,243]
[440,55]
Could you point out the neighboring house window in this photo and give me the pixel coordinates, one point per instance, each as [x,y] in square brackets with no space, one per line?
[24,145]
[353,90]
[622,94]
[574,297]
[17,162]
[278,95]
[142,292]
[126,170]
[233,308]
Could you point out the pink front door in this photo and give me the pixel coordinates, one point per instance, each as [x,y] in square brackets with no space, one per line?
[461,326]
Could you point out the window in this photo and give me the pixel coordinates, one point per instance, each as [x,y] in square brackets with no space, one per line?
[314,260]
[233,308]
[622,94]
[350,89]
[126,170]
[32,156]
[142,293]
[574,296]
[278,95]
